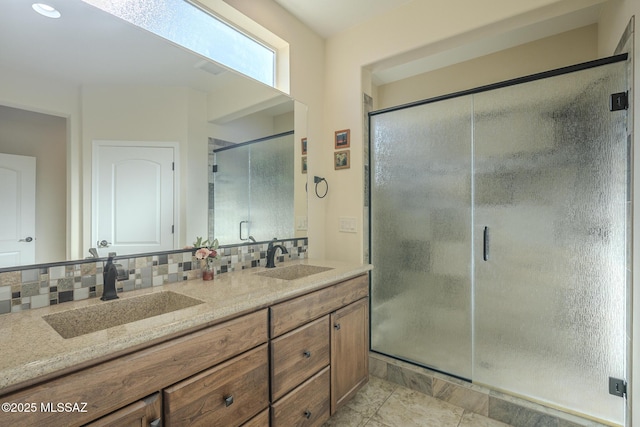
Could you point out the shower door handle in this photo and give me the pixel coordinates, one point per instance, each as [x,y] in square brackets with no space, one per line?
[485,244]
[243,222]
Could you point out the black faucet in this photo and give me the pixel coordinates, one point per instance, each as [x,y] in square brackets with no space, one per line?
[110,275]
[271,253]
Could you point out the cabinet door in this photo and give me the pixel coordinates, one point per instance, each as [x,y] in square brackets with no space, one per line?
[349,351]
[226,395]
[139,414]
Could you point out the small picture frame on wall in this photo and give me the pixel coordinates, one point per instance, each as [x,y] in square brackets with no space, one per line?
[304,164]
[342,139]
[342,160]
[303,141]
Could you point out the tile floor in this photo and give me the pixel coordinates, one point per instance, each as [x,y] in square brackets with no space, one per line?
[384,404]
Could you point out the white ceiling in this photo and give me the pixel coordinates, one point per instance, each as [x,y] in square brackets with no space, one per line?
[329,17]
[88,46]
[85,47]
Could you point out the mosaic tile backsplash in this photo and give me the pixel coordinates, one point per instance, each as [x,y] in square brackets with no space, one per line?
[57,284]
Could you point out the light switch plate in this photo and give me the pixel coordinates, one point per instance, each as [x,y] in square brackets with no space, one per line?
[347,225]
[301,223]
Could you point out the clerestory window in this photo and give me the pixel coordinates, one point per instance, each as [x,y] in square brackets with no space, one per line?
[187,25]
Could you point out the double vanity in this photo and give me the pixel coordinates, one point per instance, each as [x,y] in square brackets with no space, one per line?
[258,347]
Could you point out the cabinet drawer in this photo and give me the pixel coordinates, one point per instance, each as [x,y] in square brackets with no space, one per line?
[289,315]
[298,355]
[260,420]
[307,405]
[139,414]
[226,395]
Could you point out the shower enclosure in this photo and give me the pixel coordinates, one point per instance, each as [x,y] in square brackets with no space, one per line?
[500,236]
[251,194]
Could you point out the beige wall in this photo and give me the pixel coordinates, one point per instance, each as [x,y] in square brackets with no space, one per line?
[568,48]
[413,28]
[307,68]
[152,114]
[44,137]
[165,114]
[18,89]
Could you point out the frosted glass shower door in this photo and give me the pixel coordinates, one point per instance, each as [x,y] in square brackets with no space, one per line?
[231,194]
[253,190]
[550,190]
[421,235]
[271,189]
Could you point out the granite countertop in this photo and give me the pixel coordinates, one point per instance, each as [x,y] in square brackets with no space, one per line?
[32,349]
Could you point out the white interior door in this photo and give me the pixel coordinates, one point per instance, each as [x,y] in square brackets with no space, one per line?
[17,210]
[133,197]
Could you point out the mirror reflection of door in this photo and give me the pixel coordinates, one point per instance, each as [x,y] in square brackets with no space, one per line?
[17,210]
[133,197]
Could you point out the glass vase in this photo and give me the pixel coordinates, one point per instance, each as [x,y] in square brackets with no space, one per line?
[207,271]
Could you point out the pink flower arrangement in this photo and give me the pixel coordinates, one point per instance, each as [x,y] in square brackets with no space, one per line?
[206,252]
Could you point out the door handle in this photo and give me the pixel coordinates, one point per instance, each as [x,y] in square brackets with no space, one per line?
[26,239]
[243,222]
[103,244]
[485,244]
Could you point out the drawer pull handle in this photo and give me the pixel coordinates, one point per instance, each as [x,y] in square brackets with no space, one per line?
[337,326]
[307,354]
[307,414]
[228,400]
[156,423]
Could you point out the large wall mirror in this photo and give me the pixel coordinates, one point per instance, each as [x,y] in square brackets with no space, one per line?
[82,89]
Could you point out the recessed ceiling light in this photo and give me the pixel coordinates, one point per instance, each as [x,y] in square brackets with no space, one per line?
[46,10]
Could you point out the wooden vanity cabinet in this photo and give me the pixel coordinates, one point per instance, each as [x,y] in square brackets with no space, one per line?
[319,352]
[144,413]
[110,386]
[292,364]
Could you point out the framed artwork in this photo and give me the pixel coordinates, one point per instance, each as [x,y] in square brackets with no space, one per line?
[304,145]
[304,164]
[342,139]
[341,159]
